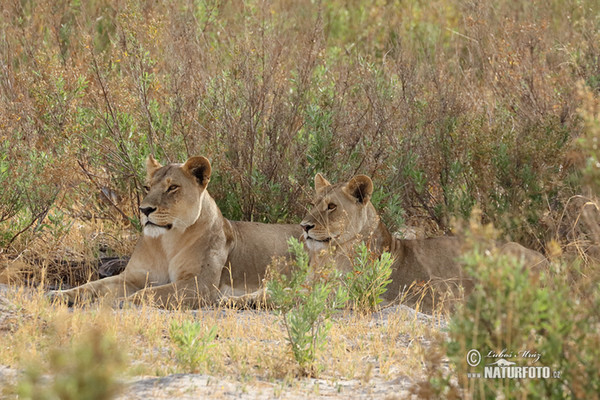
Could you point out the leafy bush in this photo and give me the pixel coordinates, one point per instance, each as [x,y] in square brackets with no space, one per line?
[369,278]
[529,318]
[88,369]
[192,344]
[446,104]
[306,300]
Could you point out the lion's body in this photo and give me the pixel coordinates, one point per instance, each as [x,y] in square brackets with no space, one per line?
[189,253]
[251,250]
[343,216]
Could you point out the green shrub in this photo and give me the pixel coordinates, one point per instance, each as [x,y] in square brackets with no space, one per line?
[521,314]
[31,191]
[369,278]
[306,300]
[192,343]
[87,370]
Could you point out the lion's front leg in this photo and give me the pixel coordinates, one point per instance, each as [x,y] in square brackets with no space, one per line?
[188,293]
[257,299]
[112,287]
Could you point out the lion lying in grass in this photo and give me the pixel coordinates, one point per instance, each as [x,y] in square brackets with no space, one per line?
[342,216]
[189,254]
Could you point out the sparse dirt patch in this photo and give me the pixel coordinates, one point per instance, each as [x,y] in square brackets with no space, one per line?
[185,386]
[367,356]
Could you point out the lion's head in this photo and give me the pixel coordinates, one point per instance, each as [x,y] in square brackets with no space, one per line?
[174,195]
[340,212]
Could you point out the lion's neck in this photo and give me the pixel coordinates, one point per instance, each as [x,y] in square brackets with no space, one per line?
[210,212]
[209,215]
[382,239]
[376,235]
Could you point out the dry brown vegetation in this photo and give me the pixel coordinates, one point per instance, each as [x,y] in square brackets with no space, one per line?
[448,105]
[445,104]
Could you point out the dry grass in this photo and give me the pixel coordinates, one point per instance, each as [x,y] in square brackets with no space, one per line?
[250,345]
[446,104]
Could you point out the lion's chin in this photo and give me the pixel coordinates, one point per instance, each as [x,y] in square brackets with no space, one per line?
[316,245]
[154,231]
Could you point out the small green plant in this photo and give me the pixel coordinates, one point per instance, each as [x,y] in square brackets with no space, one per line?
[306,300]
[369,278]
[193,342]
[87,370]
[530,320]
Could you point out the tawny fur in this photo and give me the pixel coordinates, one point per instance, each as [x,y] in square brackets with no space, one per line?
[190,254]
[342,216]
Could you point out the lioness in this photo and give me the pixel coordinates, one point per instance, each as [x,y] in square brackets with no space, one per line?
[189,253]
[342,216]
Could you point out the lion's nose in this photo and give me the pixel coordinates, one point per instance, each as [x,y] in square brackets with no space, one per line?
[306,226]
[147,210]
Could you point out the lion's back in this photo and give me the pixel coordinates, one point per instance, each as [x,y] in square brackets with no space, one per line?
[253,248]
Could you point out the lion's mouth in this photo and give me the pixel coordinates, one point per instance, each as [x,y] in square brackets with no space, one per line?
[167,226]
[326,240]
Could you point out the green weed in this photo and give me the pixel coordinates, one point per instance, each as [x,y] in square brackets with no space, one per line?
[515,314]
[306,301]
[369,278]
[193,343]
[87,369]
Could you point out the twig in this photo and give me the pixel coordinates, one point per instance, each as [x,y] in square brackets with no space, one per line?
[462,35]
[114,130]
[41,215]
[91,178]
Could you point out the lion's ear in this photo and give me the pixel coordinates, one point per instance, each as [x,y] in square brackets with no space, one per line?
[152,166]
[320,183]
[360,187]
[199,168]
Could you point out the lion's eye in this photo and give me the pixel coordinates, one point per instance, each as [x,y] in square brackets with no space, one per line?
[172,188]
[146,188]
[331,207]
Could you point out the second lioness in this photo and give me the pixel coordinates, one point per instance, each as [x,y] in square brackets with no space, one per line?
[342,216]
[189,253]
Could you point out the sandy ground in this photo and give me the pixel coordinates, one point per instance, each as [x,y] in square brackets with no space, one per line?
[184,386]
[196,386]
